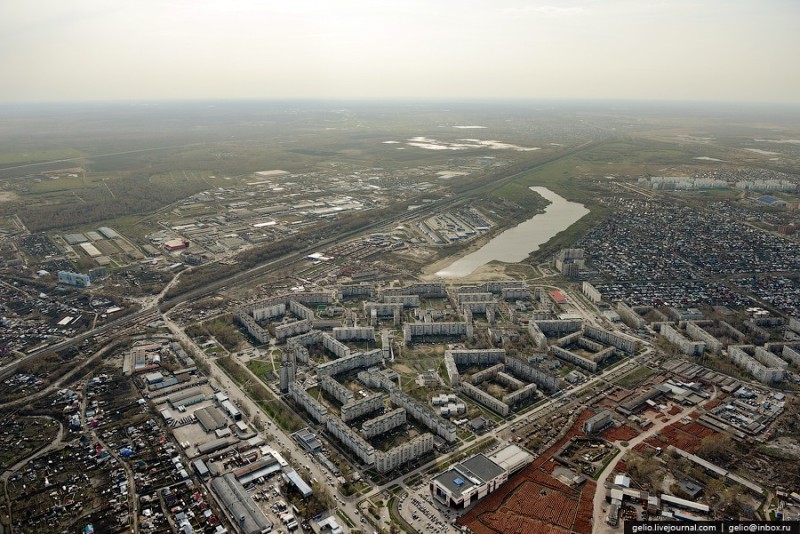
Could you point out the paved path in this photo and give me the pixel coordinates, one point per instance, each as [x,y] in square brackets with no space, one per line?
[280,439]
[600,507]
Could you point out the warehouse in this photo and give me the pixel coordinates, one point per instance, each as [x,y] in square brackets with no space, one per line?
[211,418]
[239,505]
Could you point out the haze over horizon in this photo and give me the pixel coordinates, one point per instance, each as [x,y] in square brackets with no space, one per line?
[95,50]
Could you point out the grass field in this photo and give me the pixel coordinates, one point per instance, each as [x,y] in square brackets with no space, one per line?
[634,378]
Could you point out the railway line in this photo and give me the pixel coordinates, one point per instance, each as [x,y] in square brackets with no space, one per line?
[161,306]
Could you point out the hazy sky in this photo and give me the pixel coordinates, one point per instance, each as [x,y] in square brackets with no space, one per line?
[727,50]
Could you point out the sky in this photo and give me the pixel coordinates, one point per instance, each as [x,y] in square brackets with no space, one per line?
[704,50]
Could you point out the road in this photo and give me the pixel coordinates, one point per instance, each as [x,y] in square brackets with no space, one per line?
[279,438]
[158,306]
[163,306]
[600,508]
[25,461]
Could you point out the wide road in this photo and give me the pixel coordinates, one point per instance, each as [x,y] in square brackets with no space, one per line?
[290,259]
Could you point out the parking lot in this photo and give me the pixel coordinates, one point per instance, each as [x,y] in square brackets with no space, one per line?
[423,513]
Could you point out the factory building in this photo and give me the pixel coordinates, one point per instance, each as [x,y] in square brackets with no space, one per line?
[238,503]
[598,422]
[107,232]
[175,244]
[211,418]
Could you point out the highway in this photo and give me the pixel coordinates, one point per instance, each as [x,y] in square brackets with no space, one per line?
[159,307]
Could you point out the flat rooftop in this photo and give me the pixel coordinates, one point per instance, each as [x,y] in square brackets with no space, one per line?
[469,474]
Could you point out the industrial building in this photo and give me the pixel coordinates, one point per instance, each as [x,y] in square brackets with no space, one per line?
[240,505]
[74,279]
[175,244]
[598,422]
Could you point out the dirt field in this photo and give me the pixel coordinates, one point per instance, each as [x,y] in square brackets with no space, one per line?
[683,436]
[623,433]
[534,501]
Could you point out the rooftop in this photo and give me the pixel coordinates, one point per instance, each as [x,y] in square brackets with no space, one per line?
[468,474]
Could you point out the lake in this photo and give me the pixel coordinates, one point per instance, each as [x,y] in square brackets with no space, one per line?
[516,243]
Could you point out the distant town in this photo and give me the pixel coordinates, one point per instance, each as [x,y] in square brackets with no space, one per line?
[290,350]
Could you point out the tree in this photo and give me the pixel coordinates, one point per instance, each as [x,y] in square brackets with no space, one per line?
[716,448]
